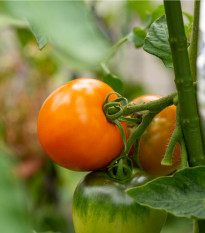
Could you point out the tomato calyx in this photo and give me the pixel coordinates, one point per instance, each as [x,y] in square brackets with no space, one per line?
[117,104]
[121,168]
[114,110]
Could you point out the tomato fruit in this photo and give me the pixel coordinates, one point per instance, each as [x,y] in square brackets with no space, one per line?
[73,129]
[155,139]
[101,205]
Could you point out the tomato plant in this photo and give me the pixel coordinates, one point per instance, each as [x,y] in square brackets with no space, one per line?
[79,124]
[100,204]
[73,129]
[154,141]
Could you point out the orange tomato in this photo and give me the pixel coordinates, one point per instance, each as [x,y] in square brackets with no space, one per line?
[73,129]
[154,141]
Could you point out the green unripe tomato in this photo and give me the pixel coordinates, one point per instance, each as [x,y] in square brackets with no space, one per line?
[100,205]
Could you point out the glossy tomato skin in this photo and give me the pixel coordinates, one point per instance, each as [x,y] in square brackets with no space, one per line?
[101,205]
[73,129]
[154,141]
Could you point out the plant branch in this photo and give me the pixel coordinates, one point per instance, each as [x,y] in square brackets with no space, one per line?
[183,154]
[152,106]
[115,47]
[184,83]
[146,120]
[193,49]
[177,137]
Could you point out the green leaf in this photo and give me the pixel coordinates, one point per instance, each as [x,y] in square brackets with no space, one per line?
[137,36]
[47,232]
[114,82]
[188,27]
[132,90]
[158,12]
[39,35]
[68,25]
[154,15]
[141,7]
[13,213]
[182,194]
[156,42]
[188,16]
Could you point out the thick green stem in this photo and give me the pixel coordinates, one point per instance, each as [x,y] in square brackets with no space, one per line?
[194,40]
[184,83]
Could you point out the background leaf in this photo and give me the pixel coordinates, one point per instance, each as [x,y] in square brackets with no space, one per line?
[132,90]
[39,35]
[114,82]
[141,7]
[182,194]
[156,42]
[158,12]
[67,25]
[188,27]
[13,213]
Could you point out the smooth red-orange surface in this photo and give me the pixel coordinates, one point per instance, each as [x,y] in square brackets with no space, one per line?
[73,129]
[155,139]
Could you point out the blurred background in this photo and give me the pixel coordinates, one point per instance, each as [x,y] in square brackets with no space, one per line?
[74,38]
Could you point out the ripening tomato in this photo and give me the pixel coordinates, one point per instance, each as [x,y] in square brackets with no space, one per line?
[101,205]
[73,129]
[154,141]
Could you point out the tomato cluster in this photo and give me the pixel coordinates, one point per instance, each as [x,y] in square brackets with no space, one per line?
[75,133]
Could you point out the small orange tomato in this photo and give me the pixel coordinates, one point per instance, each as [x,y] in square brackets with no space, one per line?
[73,129]
[154,141]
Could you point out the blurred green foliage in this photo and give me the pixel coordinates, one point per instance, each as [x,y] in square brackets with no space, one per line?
[67,25]
[13,207]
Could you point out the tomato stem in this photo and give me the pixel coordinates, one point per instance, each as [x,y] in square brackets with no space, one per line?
[183,154]
[193,49]
[186,94]
[146,120]
[121,168]
[122,131]
[152,106]
[115,48]
[167,160]
[136,153]
[105,68]
[177,137]
[130,120]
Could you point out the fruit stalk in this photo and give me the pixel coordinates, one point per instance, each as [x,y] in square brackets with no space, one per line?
[184,83]
[154,106]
